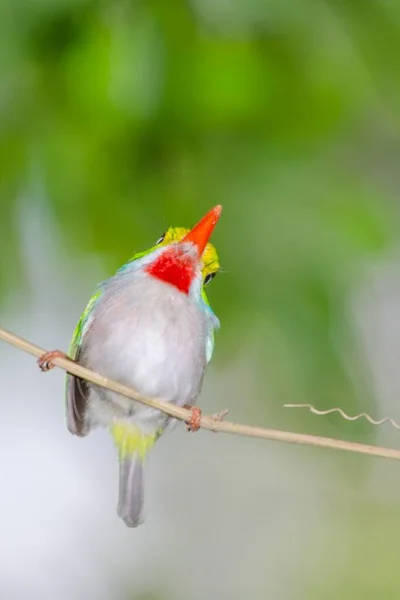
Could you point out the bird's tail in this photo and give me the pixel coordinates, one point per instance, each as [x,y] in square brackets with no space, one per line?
[132,445]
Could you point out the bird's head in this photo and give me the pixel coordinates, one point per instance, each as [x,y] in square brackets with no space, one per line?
[176,257]
[210,260]
[182,257]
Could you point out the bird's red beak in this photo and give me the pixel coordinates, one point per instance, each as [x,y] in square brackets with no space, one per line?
[201,233]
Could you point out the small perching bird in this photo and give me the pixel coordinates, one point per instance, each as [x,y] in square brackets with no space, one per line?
[150,327]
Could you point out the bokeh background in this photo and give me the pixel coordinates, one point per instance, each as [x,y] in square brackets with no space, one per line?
[119,118]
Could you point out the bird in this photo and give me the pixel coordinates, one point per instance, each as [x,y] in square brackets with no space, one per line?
[150,326]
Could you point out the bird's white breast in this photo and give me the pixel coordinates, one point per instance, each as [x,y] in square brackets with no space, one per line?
[148,335]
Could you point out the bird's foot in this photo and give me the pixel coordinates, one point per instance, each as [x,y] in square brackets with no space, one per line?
[220,416]
[195,419]
[45,361]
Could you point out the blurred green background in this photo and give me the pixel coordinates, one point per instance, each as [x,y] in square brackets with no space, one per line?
[120,118]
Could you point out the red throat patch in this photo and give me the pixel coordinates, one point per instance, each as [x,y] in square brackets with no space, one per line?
[173,268]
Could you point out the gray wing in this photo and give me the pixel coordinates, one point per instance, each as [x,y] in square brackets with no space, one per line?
[77,390]
[76,405]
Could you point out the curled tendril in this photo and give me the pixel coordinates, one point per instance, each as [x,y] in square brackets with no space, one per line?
[341,412]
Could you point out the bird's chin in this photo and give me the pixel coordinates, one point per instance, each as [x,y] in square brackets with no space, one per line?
[176,267]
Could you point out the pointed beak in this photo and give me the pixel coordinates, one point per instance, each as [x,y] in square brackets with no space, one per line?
[201,233]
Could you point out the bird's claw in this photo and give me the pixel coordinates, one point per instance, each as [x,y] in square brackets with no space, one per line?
[45,361]
[195,419]
[220,416]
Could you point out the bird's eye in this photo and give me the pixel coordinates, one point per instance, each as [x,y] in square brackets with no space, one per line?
[161,239]
[208,277]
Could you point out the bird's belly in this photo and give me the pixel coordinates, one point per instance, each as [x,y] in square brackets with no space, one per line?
[159,352]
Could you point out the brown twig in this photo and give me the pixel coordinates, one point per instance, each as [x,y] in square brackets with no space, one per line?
[207,422]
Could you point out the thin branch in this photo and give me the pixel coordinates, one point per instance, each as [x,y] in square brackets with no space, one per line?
[207,422]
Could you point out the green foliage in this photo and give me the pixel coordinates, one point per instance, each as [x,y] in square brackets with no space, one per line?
[370,566]
[138,115]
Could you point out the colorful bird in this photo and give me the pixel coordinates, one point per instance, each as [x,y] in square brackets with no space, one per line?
[151,327]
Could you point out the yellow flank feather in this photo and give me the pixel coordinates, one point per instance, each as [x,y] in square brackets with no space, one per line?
[210,256]
[129,440]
